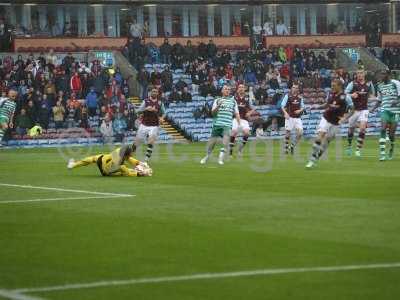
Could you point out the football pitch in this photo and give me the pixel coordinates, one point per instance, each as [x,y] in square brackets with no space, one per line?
[260,227]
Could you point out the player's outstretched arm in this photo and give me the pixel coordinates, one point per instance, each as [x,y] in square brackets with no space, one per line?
[133,161]
[215,106]
[347,115]
[283,105]
[349,88]
[377,103]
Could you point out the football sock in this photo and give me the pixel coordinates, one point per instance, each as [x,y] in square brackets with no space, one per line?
[350,136]
[2,131]
[149,151]
[210,146]
[382,142]
[221,154]
[317,151]
[231,145]
[324,147]
[287,143]
[244,142]
[360,140]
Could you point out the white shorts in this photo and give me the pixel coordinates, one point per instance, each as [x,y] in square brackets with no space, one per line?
[358,116]
[147,131]
[244,125]
[328,128]
[293,123]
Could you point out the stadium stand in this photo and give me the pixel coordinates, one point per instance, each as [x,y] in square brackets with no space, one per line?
[313,67]
[86,92]
[189,78]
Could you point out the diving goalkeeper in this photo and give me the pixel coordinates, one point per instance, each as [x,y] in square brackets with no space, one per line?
[113,164]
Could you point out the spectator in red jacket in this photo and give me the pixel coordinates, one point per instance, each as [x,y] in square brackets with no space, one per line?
[285,71]
[76,84]
[114,90]
[289,53]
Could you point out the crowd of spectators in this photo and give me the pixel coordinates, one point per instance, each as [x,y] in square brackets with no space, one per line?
[391,57]
[66,93]
[267,72]
[209,69]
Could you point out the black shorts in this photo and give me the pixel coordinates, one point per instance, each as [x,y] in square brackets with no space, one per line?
[99,163]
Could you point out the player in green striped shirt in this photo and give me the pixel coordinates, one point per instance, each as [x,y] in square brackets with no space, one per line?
[7,109]
[388,98]
[224,109]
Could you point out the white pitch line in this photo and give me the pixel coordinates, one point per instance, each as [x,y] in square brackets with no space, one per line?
[64,190]
[16,296]
[263,272]
[58,199]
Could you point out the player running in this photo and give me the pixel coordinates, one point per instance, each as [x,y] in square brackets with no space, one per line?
[388,98]
[293,107]
[246,109]
[153,111]
[334,115]
[224,109]
[113,164]
[7,110]
[359,91]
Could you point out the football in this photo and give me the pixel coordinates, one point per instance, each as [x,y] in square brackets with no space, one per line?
[143,169]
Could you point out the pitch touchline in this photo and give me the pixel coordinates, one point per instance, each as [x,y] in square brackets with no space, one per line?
[63,190]
[16,296]
[263,272]
[59,199]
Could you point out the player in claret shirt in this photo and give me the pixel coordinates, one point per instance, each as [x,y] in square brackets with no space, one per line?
[359,91]
[246,109]
[335,114]
[153,113]
[293,107]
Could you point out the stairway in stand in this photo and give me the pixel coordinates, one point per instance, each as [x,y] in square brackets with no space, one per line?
[169,129]
[135,100]
[178,137]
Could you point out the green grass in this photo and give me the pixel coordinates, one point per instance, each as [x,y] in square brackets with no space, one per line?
[190,219]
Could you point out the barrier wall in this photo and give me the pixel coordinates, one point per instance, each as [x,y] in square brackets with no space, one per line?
[234,41]
[317,40]
[389,39]
[71,44]
[88,43]
[64,43]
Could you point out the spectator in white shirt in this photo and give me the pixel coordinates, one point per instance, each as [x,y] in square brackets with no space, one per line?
[268,28]
[106,129]
[341,28]
[257,29]
[52,58]
[136,30]
[281,28]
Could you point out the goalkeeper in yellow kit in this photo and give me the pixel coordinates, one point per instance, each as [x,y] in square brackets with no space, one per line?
[113,164]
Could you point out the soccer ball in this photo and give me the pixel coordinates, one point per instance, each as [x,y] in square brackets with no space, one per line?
[143,169]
